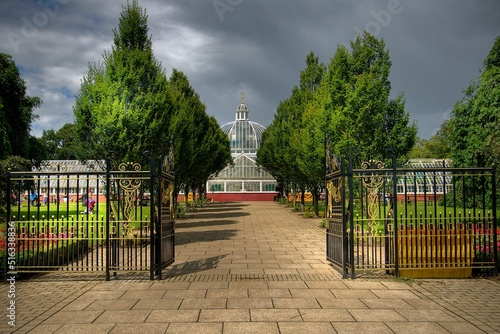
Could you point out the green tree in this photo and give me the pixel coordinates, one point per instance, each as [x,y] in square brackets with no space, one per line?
[350,102]
[437,147]
[290,149]
[200,147]
[60,144]
[474,122]
[10,164]
[184,99]
[276,153]
[213,156]
[16,111]
[123,105]
[307,142]
[362,118]
[270,154]
[475,117]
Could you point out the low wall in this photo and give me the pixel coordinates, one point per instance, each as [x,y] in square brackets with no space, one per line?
[234,197]
[429,198]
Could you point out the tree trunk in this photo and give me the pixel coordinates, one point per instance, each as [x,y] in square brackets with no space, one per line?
[315,200]
[302,199]
[186,195]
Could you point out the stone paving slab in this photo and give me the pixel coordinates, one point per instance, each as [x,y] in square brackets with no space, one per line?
[253,267]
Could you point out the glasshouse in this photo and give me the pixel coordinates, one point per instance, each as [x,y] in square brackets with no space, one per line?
[420,184]
[68,188]
[244,180]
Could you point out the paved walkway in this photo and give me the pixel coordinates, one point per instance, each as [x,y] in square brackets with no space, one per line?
[252,267]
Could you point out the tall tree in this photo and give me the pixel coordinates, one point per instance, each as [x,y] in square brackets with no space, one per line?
[350,102]
[437,147]
[307,144]
[269,155]
[286,144]
[475,125]
[16,111]
[60,144]
[200,147]
[361,115]
[123,102]
[475,118]
[213,156]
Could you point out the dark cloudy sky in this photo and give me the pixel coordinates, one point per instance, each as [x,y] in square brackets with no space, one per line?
[257,46]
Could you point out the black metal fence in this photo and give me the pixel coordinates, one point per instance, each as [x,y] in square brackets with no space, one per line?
[87,217]
[413,222]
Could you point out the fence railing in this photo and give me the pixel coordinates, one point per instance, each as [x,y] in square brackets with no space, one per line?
[97,221]
[448,230]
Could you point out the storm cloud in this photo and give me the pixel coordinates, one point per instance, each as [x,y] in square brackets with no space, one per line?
[257,46]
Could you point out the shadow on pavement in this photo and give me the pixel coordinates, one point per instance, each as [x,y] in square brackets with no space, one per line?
[212,208]
[182,238]
[192,224]
[216,215]
[191,267]
[228,204]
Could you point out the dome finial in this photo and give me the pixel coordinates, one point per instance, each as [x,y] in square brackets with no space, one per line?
[242,110]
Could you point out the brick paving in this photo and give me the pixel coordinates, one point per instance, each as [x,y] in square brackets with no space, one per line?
[253,267]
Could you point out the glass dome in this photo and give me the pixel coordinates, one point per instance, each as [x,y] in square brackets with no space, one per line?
[244,135]
[243,179]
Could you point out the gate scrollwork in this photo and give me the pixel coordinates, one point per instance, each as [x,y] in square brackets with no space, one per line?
[372,182]
[129,187]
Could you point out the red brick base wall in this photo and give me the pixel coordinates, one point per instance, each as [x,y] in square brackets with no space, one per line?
[236,197]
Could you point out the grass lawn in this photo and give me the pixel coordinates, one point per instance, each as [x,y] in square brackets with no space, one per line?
[69,210]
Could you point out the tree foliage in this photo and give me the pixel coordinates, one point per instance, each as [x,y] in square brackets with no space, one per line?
[127,106]
[350,102]
[474,122]
[361,116]
[437,147]
[123,102]
[201,148]
[60,144]
[475,128]
[10,164]
[19,150]
[16,111]
[286,144]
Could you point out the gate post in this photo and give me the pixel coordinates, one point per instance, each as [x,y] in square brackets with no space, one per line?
[351,216]
[345,214]
[495,226]
[108,214]
[153,220]
[8,215]
[394,204]
[158,222]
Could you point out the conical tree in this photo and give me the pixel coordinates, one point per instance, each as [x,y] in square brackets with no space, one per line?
[362,117]
[123,103]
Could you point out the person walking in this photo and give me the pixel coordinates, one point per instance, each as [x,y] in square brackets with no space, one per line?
[34,198]
[90,205]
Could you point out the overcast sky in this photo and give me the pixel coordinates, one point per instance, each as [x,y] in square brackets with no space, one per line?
[437,48]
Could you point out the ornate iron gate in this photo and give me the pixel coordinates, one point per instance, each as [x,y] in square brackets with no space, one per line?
[337,247]
[88,217]
[413,222]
